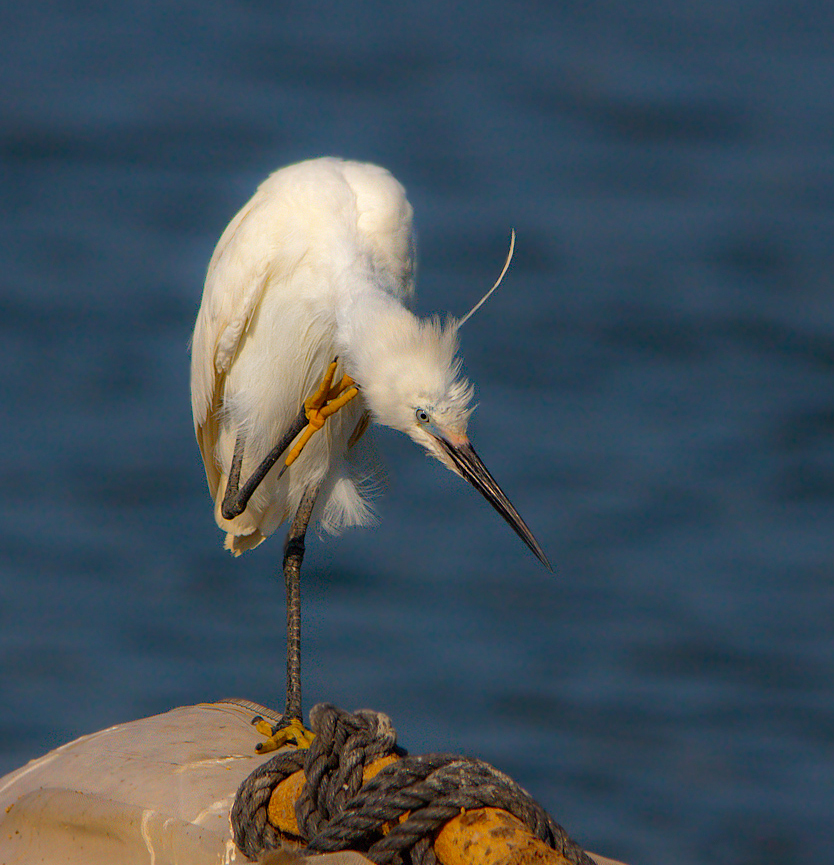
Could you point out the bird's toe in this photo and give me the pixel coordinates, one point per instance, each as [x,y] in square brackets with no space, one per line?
[289,732]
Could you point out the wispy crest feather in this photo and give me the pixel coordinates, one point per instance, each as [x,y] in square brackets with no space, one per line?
[498,281]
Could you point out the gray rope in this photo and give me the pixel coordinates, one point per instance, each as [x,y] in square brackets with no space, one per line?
[335,812]
[252,830]
[343,746]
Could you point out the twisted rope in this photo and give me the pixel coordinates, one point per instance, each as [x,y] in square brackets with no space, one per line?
[253,833]
[335,812]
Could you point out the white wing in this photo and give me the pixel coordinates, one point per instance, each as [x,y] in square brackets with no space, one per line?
[265,330]
[234,286]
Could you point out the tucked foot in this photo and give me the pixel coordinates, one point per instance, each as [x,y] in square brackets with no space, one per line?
[291,732]
[326,401]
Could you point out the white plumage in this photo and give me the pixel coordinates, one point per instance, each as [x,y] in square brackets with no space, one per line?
[320,264]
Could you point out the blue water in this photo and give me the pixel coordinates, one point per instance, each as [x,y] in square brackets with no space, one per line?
[656,386]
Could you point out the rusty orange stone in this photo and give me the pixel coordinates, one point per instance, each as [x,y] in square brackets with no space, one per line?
[483,836]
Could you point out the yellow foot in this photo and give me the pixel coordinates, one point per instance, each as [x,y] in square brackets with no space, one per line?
[291,733]
[326,401]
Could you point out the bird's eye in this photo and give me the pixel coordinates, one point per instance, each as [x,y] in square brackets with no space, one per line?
[422,415]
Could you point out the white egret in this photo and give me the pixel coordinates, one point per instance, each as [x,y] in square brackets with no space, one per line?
[311,280]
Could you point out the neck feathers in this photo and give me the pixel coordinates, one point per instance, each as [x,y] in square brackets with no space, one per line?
[400,361]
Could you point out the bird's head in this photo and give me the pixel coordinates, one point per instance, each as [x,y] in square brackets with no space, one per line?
[415,385]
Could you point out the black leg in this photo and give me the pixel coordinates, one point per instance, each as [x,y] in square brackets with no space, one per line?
[236,497]
[293,556]
[229,506]
[235,500]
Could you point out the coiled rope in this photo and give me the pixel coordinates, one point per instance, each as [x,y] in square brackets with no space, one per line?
[336,812]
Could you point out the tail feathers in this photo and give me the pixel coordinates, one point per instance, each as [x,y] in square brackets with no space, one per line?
[343,502]
[350,486]
[237,544]
[346,506]
[244,531]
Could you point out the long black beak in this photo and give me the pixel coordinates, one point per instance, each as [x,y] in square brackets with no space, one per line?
[469,464]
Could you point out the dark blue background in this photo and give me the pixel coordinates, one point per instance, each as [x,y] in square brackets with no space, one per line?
[655,381]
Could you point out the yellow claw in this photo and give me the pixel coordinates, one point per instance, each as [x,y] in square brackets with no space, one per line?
[293,733]
[341,387]
[326,401]
[320,397]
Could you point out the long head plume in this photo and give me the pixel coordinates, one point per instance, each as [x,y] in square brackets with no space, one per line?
[484,299]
